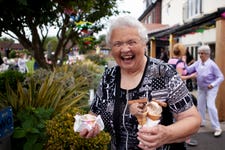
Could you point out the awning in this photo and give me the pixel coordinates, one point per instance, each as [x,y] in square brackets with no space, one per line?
[195,25]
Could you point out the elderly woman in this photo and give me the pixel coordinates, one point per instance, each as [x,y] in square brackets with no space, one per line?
[209,77]
[138,77]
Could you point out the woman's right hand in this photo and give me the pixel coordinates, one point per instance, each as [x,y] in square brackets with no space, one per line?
[92,133]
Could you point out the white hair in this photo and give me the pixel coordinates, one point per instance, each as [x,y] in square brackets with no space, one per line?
[204,48]
[127,21]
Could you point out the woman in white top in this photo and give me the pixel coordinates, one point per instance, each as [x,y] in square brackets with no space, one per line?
[22,63]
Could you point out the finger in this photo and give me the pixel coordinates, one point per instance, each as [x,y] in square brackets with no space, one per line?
[141,145]
[146,147]
[145,130]
[134,108]
[93,132]
[141,105]
[84,133]
[155,130]
[147,138]
[96,130]
[90,133]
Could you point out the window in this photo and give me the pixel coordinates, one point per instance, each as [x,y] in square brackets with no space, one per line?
[194,8]
[149,19]
[191,9]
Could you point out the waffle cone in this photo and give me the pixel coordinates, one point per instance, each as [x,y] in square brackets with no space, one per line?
[153,117]
[142,118]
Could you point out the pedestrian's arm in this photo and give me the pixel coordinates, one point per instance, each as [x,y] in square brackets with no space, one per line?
[192,68]
[219,76]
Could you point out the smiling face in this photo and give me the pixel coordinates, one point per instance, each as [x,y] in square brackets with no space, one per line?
[128,48]
[204,55]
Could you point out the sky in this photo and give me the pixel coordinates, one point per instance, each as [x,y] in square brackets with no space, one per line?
[135,7]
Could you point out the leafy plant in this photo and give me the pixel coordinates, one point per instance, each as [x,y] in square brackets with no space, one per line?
[97,59]
[62,136]
[91,71]
[51,93]
[12,54]
[10,77]
[58,91]
[30,132]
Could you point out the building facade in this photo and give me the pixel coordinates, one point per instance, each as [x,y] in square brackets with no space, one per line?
[191,22]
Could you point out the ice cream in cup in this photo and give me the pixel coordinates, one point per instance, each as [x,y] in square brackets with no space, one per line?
[88,119]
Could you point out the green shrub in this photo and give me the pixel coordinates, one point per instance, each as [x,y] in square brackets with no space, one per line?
[56,91]
[62,136]
[92,72]
[64,88]
[11,77]
[29,132]
[97,59]
[13,54]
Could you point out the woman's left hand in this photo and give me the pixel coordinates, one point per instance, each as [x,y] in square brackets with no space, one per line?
[137,108]
[210,86]
[152,137]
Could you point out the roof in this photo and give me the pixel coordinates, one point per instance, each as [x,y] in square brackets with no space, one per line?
[203,22]
[154,27]
[10,45]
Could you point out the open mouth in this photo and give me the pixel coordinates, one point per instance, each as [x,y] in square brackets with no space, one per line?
[127,57]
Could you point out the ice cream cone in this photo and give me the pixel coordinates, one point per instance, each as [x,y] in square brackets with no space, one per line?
[154,110]
[142,118]
[153,117]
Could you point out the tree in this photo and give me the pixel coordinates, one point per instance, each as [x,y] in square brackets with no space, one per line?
[6,40]
[29,22]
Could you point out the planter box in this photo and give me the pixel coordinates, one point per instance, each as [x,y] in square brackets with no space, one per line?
[6,128]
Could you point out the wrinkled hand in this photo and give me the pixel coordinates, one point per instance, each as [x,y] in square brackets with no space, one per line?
[137,108]
[90,134]
[193,75]
[152,138]
[210,86]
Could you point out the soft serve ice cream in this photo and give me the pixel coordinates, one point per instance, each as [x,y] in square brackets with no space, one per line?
[147,113]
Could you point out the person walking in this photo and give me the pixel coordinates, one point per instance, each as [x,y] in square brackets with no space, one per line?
[209,77]
[137,76]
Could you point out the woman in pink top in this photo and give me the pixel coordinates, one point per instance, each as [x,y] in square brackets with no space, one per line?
[179,51]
